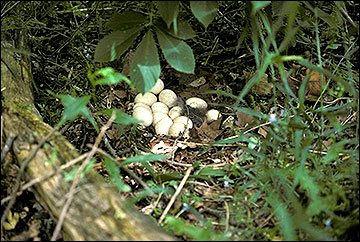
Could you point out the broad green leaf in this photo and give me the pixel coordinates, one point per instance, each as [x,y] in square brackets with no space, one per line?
[115,44]
[169,11]
[114,174]
[121,117]
[257,5]
[184,29]
[75,107]
[177,53]
[126,20]
[204,11]
[145,66]
[109,77]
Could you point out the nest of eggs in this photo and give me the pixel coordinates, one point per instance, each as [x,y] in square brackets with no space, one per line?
[163,109]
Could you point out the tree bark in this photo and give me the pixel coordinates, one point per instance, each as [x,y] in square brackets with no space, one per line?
[97,212]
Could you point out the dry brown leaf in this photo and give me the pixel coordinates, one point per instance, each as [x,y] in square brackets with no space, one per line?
[205,88]
[315,83]
[263,87]
[198,82]
[127,61]
[209,131]
[120,93]
[263,131]
[243,119]
[162,148]
[327,143]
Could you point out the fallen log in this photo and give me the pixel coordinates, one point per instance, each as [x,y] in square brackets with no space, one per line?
[97,211]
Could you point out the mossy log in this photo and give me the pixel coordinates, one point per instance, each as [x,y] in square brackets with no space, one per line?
[97,211]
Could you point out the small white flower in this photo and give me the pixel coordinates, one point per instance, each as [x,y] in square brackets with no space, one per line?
[226,184]
[328,223]
[272,118]
[186,206]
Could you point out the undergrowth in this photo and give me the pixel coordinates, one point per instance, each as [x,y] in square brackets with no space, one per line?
[298,180]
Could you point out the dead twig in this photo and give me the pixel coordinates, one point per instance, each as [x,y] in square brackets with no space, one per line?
[127,170]
[76,179]
[177,192]
[46,176]
[7,146]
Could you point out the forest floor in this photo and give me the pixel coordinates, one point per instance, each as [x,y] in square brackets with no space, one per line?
[230,187]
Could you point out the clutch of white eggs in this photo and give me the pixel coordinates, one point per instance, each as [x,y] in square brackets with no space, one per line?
[159,108]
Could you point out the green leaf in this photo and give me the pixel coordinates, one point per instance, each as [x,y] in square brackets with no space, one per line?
[156,190]
[286,223]
[169,11]
[75,107]
[169,176]
[258,75]
[316,202]
[144,158]
[177,53]
[204,11]
[204,233]
[121,117]
[298,138]
[210,171]
[145,66]
[115,44]
[236,139]
[326,17]
[109,77]
[184,29]
[257,5]
[114,174]
[333,152]
[126,20]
